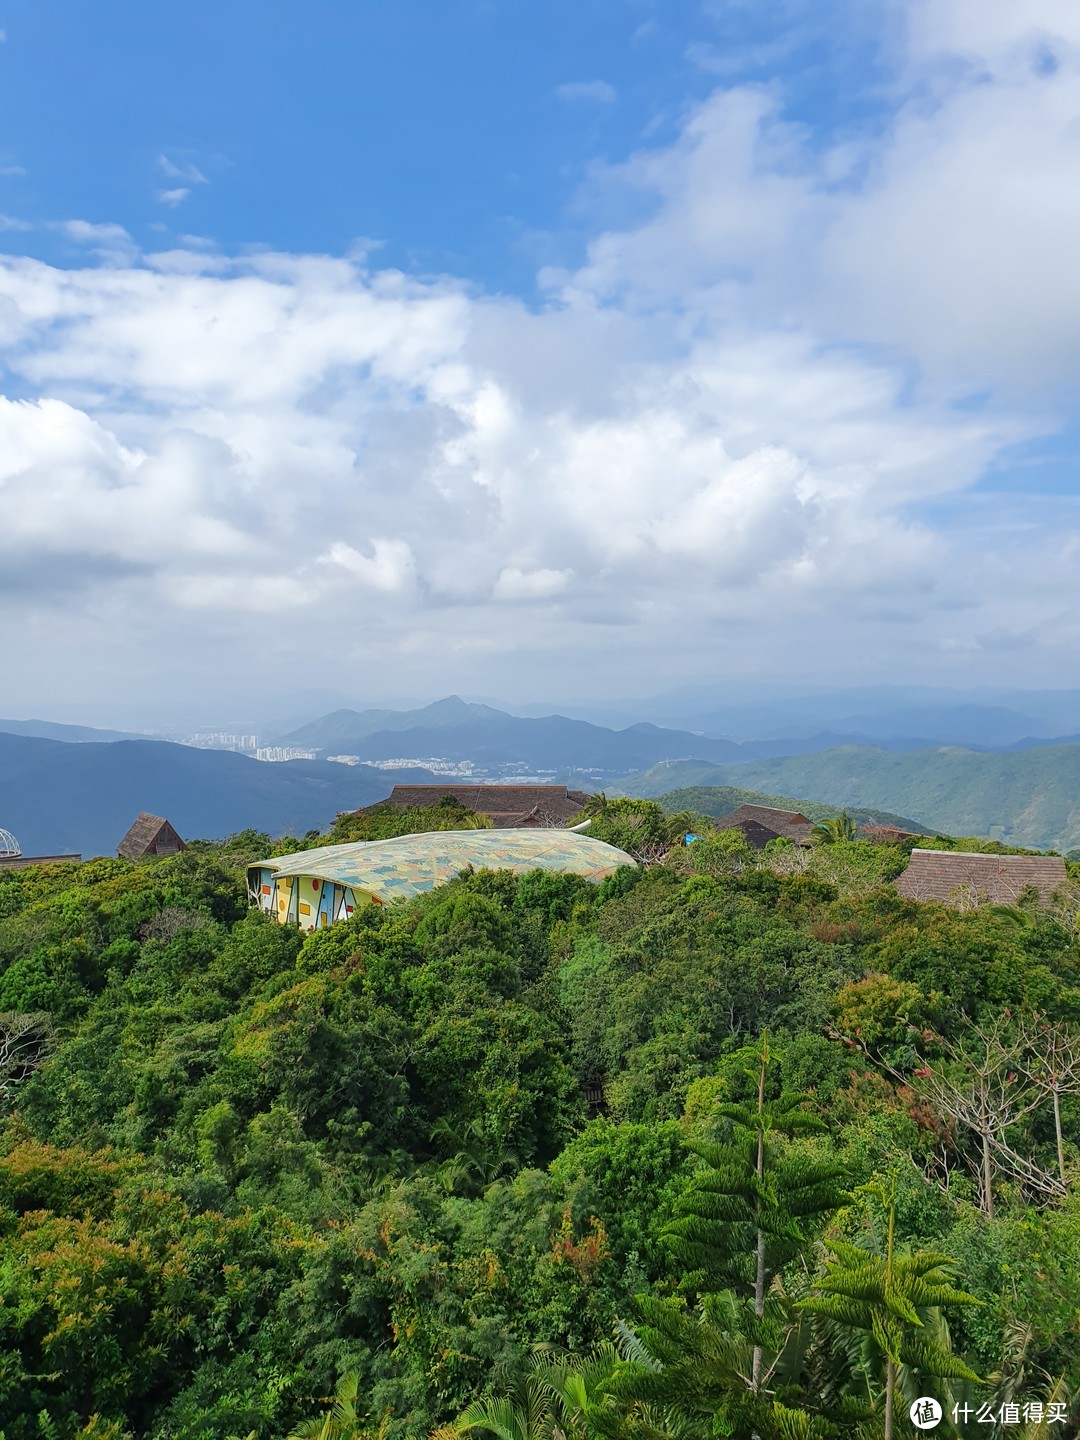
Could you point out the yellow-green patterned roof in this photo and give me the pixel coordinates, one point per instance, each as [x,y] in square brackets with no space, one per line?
[411,864]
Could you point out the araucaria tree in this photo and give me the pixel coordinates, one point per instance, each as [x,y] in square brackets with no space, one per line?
[745,1216]
[887,1294]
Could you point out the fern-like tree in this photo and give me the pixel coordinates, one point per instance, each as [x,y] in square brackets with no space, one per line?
[559,1397]
[893,1298]
[747,1214]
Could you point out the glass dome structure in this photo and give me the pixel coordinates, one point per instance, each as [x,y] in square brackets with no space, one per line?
[9,846]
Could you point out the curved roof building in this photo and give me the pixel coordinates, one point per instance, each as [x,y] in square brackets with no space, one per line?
[9,846]
[318,887]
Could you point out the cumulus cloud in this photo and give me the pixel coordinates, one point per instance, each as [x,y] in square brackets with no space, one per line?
[729,435]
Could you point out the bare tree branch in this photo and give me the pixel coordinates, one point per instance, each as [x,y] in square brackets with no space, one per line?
[25,1043]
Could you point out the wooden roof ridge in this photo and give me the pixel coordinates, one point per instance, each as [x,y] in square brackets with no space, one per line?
[755,812]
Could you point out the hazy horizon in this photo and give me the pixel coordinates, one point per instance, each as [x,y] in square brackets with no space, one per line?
[752,712]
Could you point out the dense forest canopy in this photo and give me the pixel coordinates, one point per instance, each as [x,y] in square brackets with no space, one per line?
[731,1144]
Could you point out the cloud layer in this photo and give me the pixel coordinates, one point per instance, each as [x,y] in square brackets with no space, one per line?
[742,434]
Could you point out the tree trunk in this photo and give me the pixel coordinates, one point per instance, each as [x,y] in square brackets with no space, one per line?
[759,1272]
[988,1191]
[890,1393]
[759,1306]
[1057,1133]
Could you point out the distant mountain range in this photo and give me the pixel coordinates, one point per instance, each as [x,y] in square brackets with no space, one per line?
[1024,797]
[57,797]
[81,787]
[74,734]
[455,729]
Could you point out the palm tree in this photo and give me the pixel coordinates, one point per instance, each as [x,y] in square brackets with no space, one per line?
[341,1422]
[555,1400]
[837,831]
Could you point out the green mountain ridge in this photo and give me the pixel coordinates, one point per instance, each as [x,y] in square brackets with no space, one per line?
[1027,797]
[717,800]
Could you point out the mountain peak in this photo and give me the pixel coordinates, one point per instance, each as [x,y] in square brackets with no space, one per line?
[452,710]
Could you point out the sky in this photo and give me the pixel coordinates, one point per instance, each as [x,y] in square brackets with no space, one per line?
[536,350]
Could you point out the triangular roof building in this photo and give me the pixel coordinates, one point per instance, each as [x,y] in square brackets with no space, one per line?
[150,835]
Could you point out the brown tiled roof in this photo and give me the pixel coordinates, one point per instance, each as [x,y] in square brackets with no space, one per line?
[971,879]
[509,806]
[150,835]
[754,820]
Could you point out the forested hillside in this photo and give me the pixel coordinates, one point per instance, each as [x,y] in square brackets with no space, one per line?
[694,1153]
[720,800]
[1026,797]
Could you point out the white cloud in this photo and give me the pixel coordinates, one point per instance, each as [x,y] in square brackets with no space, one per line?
[295,437]
[12,222]
[389,567]
[948,237]
[590,90]
[514,583]
[110,243]
[178,170]
[181,170]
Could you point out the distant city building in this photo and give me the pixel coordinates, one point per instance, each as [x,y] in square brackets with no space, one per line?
[276,753]
[508,807]
[964,880]
[436,764]
[223,740]
[150,835]
[762,823]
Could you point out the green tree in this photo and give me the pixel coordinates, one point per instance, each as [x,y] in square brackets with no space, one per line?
[341,1421]
[888,1296]
[745,1216]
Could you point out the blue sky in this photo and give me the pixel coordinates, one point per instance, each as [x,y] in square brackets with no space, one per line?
[459,135]
[537,349]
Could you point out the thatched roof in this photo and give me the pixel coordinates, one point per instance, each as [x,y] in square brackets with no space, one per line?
[150,835]
[762,823]
[507,806]
[958,878]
